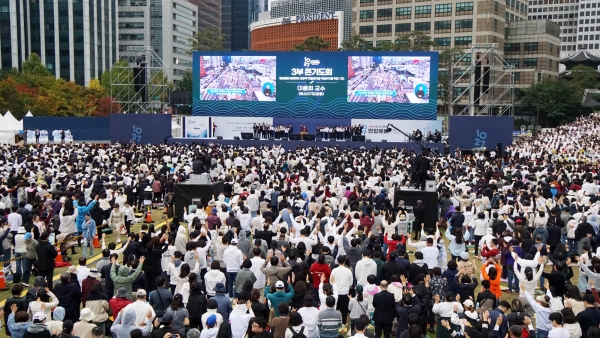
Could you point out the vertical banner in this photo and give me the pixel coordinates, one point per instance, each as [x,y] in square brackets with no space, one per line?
[229,127]
[375,130]
[197,126]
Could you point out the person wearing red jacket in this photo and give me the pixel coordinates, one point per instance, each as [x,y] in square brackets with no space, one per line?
[318,269]
[393,243]
[367,221]
[490,252]
[120,301]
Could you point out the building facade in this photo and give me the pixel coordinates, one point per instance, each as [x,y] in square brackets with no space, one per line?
[281,34]
[566,14]
[76,39]
[209,17]
[166,26]
[460,23]
[236,17]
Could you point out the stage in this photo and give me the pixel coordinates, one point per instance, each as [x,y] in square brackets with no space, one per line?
[290,144]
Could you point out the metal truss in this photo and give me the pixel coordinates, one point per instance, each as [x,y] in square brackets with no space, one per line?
[489,80]
[145,90]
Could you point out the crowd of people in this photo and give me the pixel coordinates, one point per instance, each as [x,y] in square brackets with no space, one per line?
[339,132]
[265,131]
[307,242]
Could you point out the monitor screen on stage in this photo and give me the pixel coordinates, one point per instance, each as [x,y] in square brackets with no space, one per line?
[366,85]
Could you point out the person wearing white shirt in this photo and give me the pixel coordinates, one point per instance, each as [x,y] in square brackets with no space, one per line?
[446,309]
[558,331]
[233,259]
[253,203]
[309,314]
[240,317]
[365,267]
[430,254]
[141,307]
[257,263]
[342,276]
[245,220]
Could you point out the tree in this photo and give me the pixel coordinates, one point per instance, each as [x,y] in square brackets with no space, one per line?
[33,66]
[208,40]
[446,60]
[186,83]
[356,43]
[415,41]
[555,101]
[159,86]
[312,43]
[96,86]
[118,81]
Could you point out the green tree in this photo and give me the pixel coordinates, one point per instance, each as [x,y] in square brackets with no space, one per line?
[554,101]
[118,81]
[159,86]
[415,41]
[312,43]
[208,40]
[446,60]
[584,77]
[356,43]
[33,66]
[186,83]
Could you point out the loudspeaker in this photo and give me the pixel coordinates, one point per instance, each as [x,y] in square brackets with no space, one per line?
[383,140]
[294,137]
[219,137]
[358,138]
[425,150]
[284,138]
[430,186]
[309,137]
[271,138]
[368,140]
[247,136]
[257,138]
[236,138]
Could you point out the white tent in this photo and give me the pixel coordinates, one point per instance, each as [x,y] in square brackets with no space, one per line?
[9,123]
[29,114]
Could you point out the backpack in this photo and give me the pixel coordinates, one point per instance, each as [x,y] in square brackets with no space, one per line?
[298,334]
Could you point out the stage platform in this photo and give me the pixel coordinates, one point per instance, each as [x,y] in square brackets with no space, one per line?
[289,144]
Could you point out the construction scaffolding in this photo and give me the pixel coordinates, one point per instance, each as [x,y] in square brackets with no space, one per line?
[140,81]
[485,87]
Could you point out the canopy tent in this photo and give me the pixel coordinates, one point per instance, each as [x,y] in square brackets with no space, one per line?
[10,123]
[29,114]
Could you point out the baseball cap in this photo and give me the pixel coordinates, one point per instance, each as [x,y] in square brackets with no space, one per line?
[468,303]
[167,317]
[234,241]
[464,256]
[141,293]
[279,284]
[72,269]
[211,320]
[27,236]
[39,316]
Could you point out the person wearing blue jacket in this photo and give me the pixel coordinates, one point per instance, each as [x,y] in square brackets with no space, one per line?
[89,231]
[82,211]
[17,322]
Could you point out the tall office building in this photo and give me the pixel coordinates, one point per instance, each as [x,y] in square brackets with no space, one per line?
[209,15]
[236,17]
[164,25]
[76,39]
[530,46]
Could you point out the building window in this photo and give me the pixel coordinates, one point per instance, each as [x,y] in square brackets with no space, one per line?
[423,11]
[131,25]
[442,42]
[131,14]
[138,3]
[443,10]
[184,9]
[465,25]
[513,62]
[529,62]
[462,40]
[464,8]
[364,3]
[384,14]
[183,30]
[384,30]
[184,20]
[402,28]
[403,12]
[496,6]
[381,42]
[367,16]
[442,26]
[517,76]
[182,51]
[384,2]
[424,27]
[131,37]
[530,47]
[365,31]
[181,40]
[512,48]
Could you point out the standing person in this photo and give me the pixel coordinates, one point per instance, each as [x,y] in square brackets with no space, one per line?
[343,278]
[69,296]
[89,231]
[123,279]
[160,298]
[240,317]
[152,263]
[590,317]
[233,258]
[116,221]
[30,254]
[20,250]
[329,320]
[383,316]
[46,253]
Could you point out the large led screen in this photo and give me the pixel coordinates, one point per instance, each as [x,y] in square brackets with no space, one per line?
[364,85]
